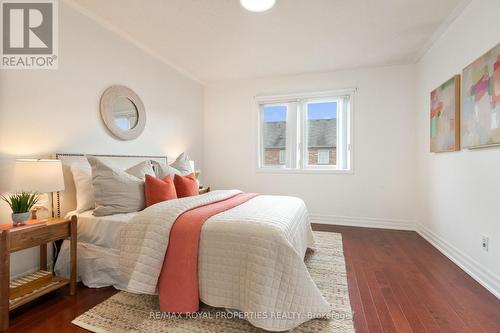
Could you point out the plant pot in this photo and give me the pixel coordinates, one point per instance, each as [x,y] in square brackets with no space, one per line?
[20,218]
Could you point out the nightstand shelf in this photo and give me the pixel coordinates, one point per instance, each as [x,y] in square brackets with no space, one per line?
[22,290]
[54,283]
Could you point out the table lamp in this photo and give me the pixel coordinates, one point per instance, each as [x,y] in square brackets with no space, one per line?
[40,176]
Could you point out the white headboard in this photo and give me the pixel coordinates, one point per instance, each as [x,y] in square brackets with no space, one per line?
[65,201]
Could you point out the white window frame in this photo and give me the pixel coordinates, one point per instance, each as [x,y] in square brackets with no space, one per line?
[305,134]
[296,159]
[291,123]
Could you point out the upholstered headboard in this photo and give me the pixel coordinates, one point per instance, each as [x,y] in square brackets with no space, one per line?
[65,201]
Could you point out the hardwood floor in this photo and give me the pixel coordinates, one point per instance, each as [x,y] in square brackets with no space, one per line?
[55,311]
[397,283]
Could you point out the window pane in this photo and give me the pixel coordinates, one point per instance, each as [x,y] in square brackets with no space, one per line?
[282,157]
[323,156]
[322,133]
[274,135]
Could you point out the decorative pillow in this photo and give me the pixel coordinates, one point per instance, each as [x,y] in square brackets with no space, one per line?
[186,186]
[180,166]
[158,190]
[115,191]
[83,184]
[164,170]
[141,170]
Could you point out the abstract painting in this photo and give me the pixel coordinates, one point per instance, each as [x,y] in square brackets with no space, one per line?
[445,116]
[481,101]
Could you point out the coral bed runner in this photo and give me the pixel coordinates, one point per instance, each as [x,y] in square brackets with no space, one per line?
[178,281]
[126,312]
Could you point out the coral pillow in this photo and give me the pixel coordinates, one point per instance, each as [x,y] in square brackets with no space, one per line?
[158,190]
[186,186]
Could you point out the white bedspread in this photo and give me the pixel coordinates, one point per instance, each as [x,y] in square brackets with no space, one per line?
[250,257]
[102,230]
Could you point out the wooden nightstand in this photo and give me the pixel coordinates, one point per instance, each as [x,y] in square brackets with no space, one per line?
[203,189]
[13,239]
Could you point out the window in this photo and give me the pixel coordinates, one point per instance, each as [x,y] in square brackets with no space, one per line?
[321,132]
[282,157]
[323,156]
[274,134]
[306,131]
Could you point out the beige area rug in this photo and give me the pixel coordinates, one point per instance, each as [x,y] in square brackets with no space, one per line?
[125,312]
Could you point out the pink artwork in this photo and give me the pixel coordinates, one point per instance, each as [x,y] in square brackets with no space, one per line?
[481,101]
[445,116]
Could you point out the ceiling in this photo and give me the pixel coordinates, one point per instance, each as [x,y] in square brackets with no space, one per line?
[216,40]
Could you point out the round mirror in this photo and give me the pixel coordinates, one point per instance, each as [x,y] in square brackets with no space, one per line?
[123,112]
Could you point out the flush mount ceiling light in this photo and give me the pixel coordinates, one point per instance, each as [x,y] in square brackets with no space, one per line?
[257,5]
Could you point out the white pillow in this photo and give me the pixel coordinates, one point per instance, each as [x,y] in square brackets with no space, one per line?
[85,199]
[116,191]
[141,170]
[83,185]
[180,166]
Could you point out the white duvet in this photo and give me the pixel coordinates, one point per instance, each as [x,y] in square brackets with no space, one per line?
[250,257]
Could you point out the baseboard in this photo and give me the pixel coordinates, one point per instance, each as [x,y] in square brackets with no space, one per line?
[366,222]
[32,270]
[477,271]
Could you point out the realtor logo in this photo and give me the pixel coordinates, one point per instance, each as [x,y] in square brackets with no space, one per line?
[29,34]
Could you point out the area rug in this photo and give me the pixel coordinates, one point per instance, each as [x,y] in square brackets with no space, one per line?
[125,312]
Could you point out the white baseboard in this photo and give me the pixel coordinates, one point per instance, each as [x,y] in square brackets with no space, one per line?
[32,270]
[366,222]
[477,271]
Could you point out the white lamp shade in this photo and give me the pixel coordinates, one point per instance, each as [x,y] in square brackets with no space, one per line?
[191,163]
[37,176]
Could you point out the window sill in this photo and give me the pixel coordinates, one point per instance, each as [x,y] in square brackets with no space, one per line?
[304,171]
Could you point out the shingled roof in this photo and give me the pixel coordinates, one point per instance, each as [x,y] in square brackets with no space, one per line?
[274,134]
[322,133]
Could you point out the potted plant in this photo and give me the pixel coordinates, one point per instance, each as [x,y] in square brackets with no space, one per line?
[21,204]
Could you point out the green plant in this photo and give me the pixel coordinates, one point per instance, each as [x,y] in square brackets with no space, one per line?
[21,202]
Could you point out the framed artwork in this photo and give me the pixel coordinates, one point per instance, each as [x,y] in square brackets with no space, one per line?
[445,116]
[481,101]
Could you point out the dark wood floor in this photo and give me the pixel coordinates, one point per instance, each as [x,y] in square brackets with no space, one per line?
[397,283]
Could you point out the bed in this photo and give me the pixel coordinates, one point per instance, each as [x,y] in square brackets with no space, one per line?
[98,237]
[250,257]
[98,251]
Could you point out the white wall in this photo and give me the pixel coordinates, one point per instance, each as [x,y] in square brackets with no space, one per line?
[43,112]
[459,192]
[381,190]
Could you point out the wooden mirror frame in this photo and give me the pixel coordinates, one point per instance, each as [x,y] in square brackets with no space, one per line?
[108,99]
